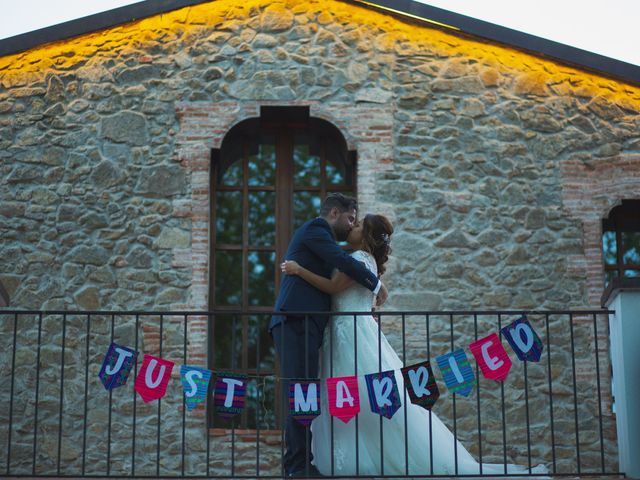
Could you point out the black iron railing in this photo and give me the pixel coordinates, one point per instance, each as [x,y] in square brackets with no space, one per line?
[58,420]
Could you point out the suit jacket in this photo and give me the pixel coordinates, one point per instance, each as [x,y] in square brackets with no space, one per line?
[314,247]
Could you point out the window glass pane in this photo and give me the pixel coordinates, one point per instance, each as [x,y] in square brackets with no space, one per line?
[306,205]
[631,248]
[632,273]
[609,248]
[306,162]
[262,161]
[260,404]
[609,275]
[335,165]
[231,169]
[261,278]
[262,218]
[227,339]
[229,217]
[261,348]
[228,277]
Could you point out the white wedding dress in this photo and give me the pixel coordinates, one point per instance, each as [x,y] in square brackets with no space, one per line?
[339,341]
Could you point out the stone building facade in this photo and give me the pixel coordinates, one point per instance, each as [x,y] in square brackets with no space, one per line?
[496,167]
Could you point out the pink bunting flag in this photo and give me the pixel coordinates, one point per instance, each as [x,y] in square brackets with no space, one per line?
[343,396]
[152,380]
[491,357]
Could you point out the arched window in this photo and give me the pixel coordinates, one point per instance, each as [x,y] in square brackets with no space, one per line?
[268,177]
[621,241]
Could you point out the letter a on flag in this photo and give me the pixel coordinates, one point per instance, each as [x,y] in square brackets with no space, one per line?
[384,398]
[457,373]
[492,357]
[343,396]
[523,340]
[117,366]
[153,378]
[304,400]
[421,384]
[229,394]
[195,381]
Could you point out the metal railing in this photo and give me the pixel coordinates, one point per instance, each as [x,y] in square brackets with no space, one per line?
[59,421]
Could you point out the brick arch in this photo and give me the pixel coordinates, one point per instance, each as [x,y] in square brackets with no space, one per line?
[591,187]
[366,127]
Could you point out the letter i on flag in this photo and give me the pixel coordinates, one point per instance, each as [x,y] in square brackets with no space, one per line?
[492,357]
[457,373]
[523,340]
[304,400]
[153,378]
[383,393]
[343,396]
[117,366]
[229,394]
[195,381]
[421,384]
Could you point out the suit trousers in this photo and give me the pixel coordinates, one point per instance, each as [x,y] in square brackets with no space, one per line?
[297,341]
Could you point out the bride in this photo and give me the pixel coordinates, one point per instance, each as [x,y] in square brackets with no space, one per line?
[337,452]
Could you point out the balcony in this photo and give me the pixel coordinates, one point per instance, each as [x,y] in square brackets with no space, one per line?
[59,420]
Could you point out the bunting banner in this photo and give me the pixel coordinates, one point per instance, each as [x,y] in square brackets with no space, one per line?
[457,373]
[421,384]
[304,400]
[343,396]
[523,340]
[152,384]
[195,381]
[491,357]
[116,366]
[384,397]
[229,394]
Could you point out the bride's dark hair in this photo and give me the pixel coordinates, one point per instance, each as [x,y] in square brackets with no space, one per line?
[376,236]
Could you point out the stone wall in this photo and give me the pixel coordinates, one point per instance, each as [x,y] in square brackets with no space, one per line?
[495,166]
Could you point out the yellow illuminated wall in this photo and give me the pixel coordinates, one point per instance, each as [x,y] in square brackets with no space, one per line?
[523,73]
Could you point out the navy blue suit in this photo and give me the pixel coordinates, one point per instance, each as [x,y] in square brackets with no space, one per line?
[298,338]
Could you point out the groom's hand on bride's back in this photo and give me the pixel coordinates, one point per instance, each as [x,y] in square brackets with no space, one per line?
[383,294]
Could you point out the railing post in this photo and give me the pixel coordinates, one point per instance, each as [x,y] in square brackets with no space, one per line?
[624,298]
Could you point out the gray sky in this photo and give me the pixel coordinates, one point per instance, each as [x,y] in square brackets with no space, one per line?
[609,28]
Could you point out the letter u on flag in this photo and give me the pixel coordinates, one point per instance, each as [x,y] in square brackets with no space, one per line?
[343,396]
[153,377]
[228,396]
[492,357]
[383,393]
[523,340]
[117,366]
[304,400]
[457,373]
[421,384]
[195,381]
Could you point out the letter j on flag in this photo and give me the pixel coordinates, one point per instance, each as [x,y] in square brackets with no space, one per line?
[117,366]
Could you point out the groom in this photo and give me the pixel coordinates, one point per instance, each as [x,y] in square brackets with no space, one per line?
[298,338]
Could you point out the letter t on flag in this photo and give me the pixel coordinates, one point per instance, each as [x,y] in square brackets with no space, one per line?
[152,380]
[304,400]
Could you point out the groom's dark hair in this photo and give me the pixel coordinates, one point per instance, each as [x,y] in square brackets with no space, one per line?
[339,201]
